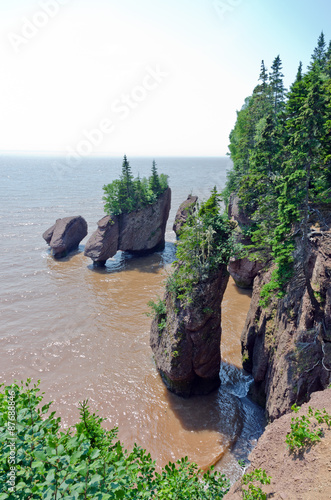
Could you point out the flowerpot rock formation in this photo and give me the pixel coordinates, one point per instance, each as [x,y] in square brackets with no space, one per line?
[142,231]
[186,340]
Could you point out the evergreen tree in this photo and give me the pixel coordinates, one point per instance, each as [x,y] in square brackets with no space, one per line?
[319,55]
[127,176]
[281,152]
[126,194]
[328,61]
[154,183]
[299,73]
[295,98]
[277,86]
[140,194]
[263,76]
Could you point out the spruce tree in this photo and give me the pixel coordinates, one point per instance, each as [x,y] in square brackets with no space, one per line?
[126,191]
[155,181]
[263,76]
[319,55]
[328,61]
[277,86]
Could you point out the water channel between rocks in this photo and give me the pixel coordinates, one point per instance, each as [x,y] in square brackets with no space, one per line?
[85,334]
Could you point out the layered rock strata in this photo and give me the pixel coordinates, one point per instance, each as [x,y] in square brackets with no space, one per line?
[287,346]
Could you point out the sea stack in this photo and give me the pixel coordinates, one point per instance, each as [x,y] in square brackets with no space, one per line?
[141,231]
[65,235]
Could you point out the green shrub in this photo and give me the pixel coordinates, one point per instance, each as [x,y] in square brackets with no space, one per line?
[158,311]
[303,431]
[254,492]
[40,461]
[127,194]
[206,241]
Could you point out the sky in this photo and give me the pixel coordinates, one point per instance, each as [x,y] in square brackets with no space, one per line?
[142,77]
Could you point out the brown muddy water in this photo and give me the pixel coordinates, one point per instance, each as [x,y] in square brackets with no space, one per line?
[84,332]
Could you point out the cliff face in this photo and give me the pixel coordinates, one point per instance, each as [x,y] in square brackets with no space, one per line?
[186,340]
[141,231]
[287,346]
[242,270]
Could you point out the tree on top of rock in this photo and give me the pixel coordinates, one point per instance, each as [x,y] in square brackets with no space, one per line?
[154,182]
[127,194]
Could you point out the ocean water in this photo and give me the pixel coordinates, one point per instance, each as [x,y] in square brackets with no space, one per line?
[84,332]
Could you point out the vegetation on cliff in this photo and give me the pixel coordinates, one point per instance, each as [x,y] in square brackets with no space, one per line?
[281,152]
[186,328]
[127,194]
[205,243]
[39,461]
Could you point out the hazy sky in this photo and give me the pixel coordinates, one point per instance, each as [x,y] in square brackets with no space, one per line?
[142,77]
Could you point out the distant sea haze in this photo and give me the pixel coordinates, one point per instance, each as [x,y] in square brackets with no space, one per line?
[84,331]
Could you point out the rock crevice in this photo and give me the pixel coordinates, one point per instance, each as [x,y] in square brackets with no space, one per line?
[242,269]
[286,346]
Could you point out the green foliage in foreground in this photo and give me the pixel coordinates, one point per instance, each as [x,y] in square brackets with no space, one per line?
[304,431]
[127,194]
[254,492]
[39,461]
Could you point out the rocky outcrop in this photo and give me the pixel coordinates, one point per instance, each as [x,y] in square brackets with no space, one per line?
[186,340]
[287,346]
[236,213]
[185,209]
[141,231]
[65,235]
[243,270]
[300,476]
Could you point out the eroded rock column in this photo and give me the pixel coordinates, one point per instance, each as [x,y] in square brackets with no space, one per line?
[186,339]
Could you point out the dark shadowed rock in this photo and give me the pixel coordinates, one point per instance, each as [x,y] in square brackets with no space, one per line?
[186,346]
[243,270]
[141,231]
[185,209]
[287,345]
[65,235]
